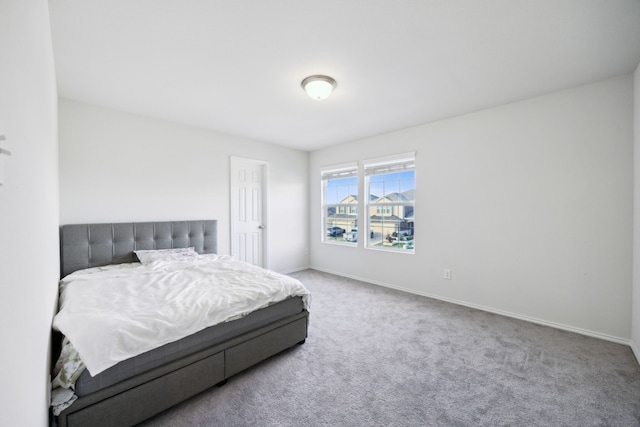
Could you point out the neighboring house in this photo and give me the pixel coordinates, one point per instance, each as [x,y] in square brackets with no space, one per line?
[345,215]
[351,207]
[388,216]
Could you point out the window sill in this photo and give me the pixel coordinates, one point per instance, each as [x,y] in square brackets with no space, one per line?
[390,249]
[345,244]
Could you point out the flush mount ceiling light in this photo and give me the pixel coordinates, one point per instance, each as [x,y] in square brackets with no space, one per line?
[318,87]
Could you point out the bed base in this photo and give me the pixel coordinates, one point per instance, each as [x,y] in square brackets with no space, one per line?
[139,398]
[134,400]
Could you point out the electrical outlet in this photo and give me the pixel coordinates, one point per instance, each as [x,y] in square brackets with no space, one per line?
[447,274]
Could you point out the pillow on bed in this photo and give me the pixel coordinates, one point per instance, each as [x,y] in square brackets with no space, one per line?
[178,254]
[109,267]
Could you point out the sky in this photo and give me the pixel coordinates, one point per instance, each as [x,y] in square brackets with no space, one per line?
[397,182]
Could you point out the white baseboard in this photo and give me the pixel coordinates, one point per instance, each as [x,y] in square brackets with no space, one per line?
[543,322]
[294,270]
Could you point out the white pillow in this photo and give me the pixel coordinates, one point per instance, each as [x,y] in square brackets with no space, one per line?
[109,267]
[178,254]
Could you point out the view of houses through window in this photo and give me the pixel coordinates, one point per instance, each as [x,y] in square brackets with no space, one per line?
[391,210]
[389,205]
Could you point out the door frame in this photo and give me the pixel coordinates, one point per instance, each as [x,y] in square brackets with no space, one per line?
[234,162]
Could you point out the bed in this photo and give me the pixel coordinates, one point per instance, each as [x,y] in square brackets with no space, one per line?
[128,391]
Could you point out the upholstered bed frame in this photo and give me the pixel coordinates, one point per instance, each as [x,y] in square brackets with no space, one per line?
[135,399]
[94,245]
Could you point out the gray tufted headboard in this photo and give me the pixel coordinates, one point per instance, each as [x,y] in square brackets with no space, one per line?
[93,245]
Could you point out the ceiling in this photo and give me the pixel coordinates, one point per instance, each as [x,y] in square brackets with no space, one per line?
[235,66]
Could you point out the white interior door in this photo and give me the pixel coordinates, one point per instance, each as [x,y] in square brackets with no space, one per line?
[248,210]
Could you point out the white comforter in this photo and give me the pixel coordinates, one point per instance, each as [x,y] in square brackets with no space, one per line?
[110,315]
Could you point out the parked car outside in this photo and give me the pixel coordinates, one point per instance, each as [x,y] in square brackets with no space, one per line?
[402,235]
[335,231]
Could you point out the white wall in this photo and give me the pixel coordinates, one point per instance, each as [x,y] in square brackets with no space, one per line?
[635,336]
[29,265]
[116,166]
[529,204]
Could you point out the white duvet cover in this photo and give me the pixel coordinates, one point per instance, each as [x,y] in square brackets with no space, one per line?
[112,314]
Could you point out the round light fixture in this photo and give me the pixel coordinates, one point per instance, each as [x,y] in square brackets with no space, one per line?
[318,87]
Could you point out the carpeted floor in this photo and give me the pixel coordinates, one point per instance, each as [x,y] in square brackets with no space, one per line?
[380,357]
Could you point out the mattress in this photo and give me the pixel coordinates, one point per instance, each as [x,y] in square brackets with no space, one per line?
[121,321]
[135,308]
[208,337]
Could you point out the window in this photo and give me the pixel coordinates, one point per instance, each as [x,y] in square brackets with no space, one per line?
[340,204]
[390,202]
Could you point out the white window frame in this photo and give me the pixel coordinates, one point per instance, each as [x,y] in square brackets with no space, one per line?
[345,170]
[381,166]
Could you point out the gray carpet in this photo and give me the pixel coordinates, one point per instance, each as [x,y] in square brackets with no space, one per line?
[380,357]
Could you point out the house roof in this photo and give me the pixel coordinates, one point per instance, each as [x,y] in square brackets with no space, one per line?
[390,218]
[354,198]
[393,197]
[409,194]
[342,216]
